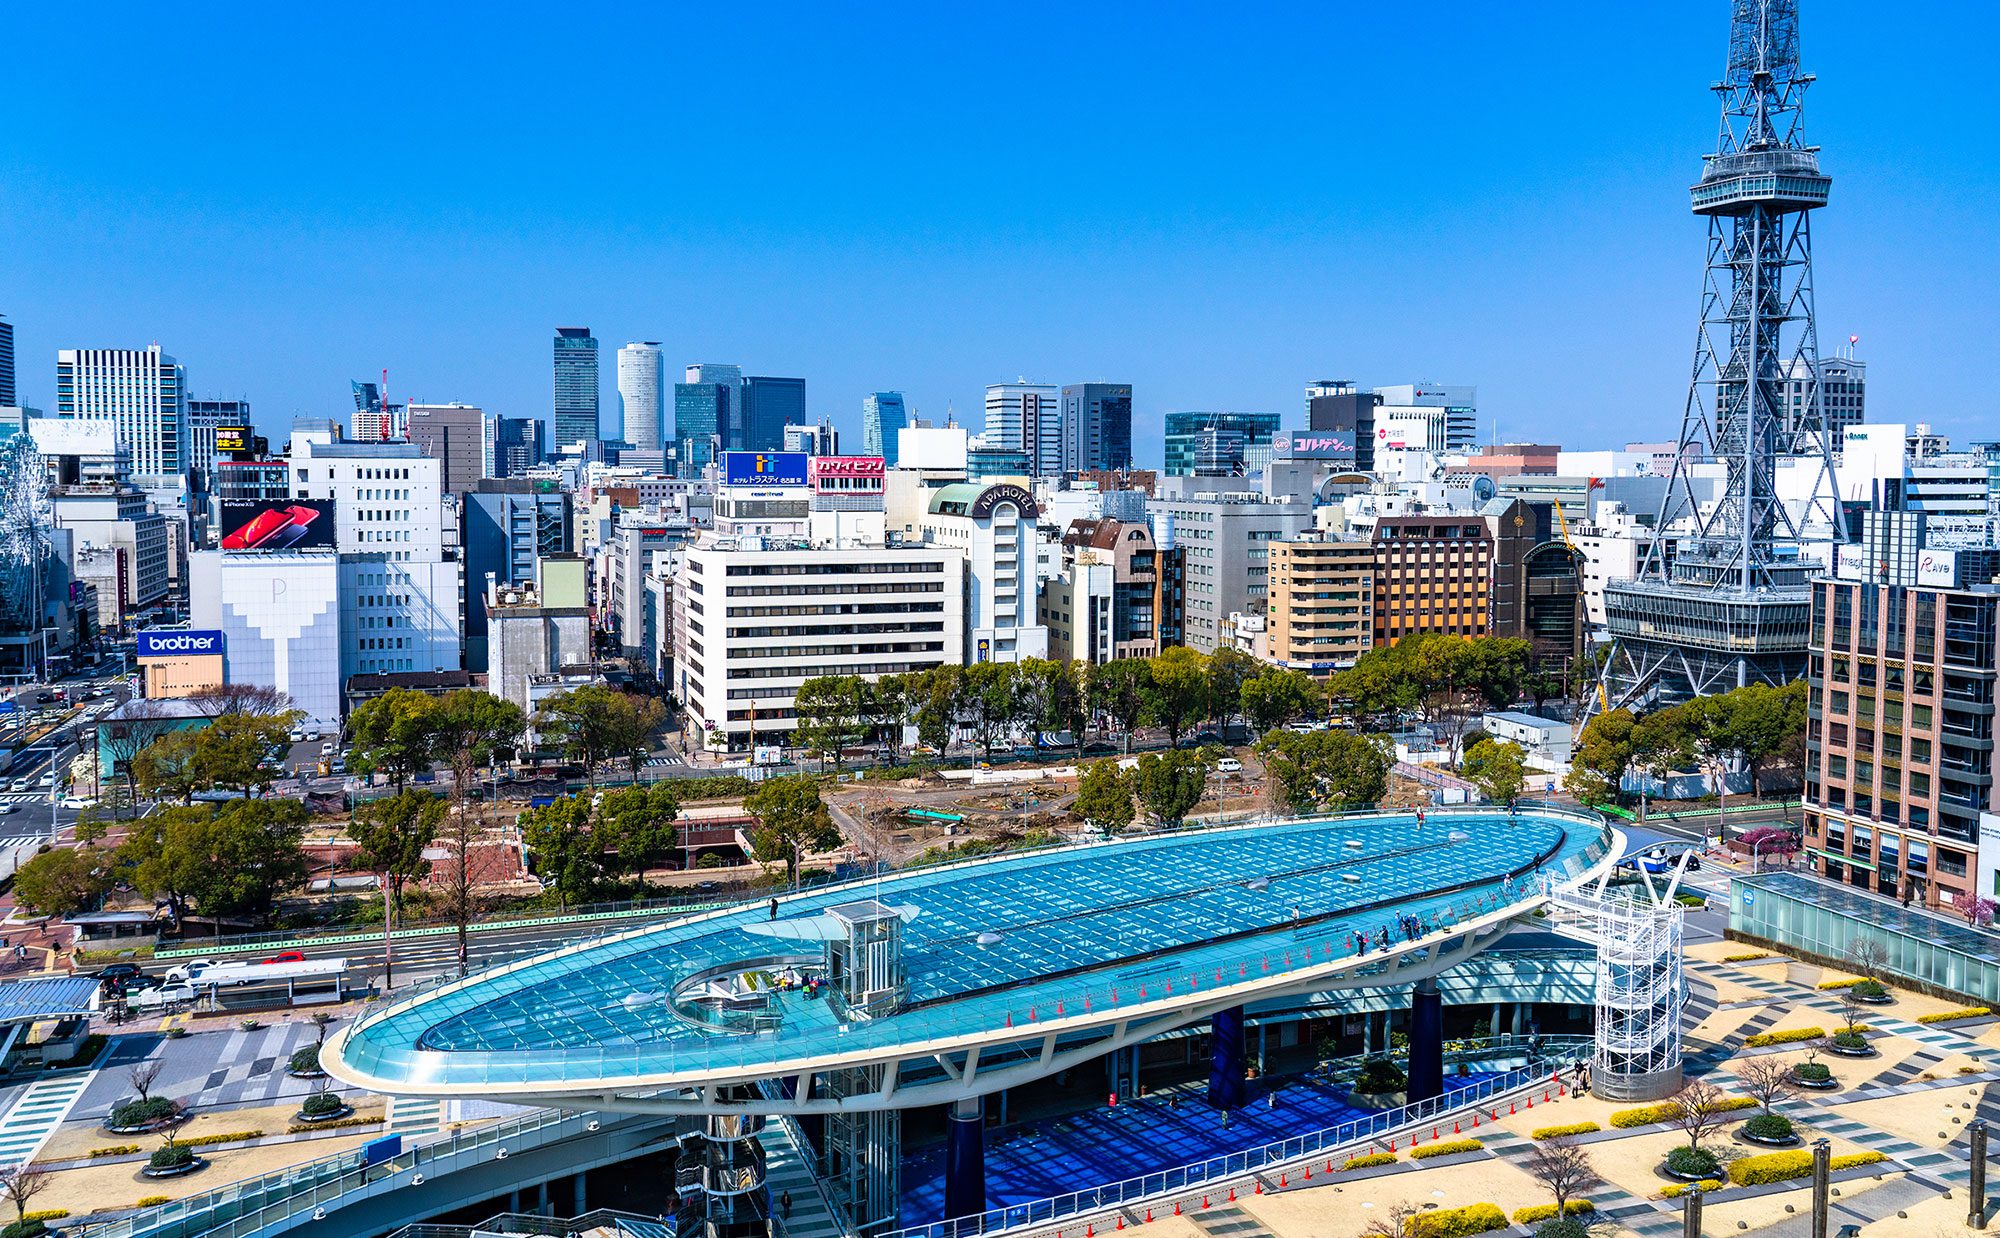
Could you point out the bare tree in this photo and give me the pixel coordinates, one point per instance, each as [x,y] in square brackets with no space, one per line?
[453,859]
[1868,957]
[131,731]
[1850,1011]
[1562,1166]
[1393,1222]
[240,698]
[142,1076]
[1699,1111]
[320,1020]
[19,1184]
[1768,1079]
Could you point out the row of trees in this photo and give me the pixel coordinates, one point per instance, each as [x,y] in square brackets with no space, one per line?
[1760,725]
[1321,771]
[404,733]
[992,701]
[1445,681]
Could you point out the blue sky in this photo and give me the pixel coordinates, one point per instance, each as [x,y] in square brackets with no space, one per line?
[1217,204]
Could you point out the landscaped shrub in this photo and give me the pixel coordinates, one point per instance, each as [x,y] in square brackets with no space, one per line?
[1679,1189]
[1870,990]
[23,1229]
[1379,1074]
[1851,1038]
[305,1061]
[1782,1166]
[203,1141]
[1744,958]
[1812,1072]
[1848,983]
[141,1112]
[1765,1039]
[1686,1162]
[1667,1111]
[1369,1160]
[1450,1147]
[46,1214]
[308,1128]
[1557,1132]
[171,1156]
[116,1149]
[1542,1212]
[1962,1012]
[1768,1126]
[322,1102]
[1563,1227]
[154,1201]
[1456,1222]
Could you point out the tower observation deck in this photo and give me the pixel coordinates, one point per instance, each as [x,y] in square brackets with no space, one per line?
[1721,599]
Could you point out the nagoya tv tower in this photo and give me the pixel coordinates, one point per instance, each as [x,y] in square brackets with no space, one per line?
[1721,597]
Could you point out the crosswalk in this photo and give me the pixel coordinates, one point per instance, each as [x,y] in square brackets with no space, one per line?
[36,1115]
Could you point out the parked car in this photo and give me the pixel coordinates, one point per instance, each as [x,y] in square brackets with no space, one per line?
[1100,748]
[327,749]
[1229,765]
[297,735]
[164,997]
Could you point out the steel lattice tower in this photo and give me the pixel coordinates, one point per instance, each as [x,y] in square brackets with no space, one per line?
[1721,596]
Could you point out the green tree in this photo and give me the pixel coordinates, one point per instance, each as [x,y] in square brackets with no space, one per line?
[1120,689]
[1272,697]
[595,723]
[791,819]
[394,734]
[1603,753]
[891,703]
[62,882]
[830,710]
[390,835]
[986,701]
[1499,769]
[163,854]
[934,696]
[1228,670]
[1178,691]
[135,728]
[1325,771]
[254,854]
[636,828]
[568,857]
[1049,696]
[167,768]
[1170,784]
[1104,796]
[470,728]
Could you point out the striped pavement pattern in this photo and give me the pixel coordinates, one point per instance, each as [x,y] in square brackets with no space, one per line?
[35,1117]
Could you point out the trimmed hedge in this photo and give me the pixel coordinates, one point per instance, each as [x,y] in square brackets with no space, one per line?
[1370,1161]
[24,1229]
[1456,1222]
[307,1128]
[154,1201]
[1544,1212]
[1450,1147]
[1647,1115]
[1812,1072]
[1693,1162]
[204,1141]
[47,1214]
[140,1112]
[1679,1189]
[304,1061]
[1784,1166]
[1557,1132]
[1962,1012]
[322,1102]
[1764,1040]
[1746,958]
[116,1149]
[171,1156]
[1839,984]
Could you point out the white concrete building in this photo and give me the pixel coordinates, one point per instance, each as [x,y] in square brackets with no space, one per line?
[755,623]
[641,395]
[994,527]
[1610,540]
[280,616]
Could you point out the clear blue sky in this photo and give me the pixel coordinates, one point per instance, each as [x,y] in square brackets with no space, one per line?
[1216,203]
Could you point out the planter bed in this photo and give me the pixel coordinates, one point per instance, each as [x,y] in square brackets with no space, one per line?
[175,1171]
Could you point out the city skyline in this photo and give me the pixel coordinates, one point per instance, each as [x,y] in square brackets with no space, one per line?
[1435,243]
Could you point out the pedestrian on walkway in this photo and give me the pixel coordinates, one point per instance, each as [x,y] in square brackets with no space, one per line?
[774,909]
[785,1205]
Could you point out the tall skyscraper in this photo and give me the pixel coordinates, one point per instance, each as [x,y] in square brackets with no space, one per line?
[882,417]
[517,445]
[141,392]
[1026,417]
[576,386]
[705,412]
[1096,427]
[454,435]
[1728,602]
[769,405]
[641,395]
[10,396]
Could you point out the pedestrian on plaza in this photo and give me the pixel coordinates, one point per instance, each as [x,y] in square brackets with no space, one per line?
[785,1205]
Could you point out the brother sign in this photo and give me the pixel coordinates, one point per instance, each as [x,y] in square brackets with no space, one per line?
[178,644]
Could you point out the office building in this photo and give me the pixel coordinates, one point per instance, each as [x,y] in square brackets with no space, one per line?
[1096,427]
[537,630]
[819,440]
[375,419]
[1322,602]
[705,414]
[1840,401]
[1433,573]
[642,395]
[1335,406]
[1104,602]
[576,387]
[1218,444]
[753,622]
[1433,417]
[510,526]
[768,406]
[402,591]
[517,445]
[1026,418]
[141,393]
[456,436]
[120,541]
[10,392]
[280,616]
[1535,592]
[883,417]
[1226,533]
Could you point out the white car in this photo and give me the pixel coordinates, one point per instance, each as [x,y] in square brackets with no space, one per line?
[24,784]
[46,780]
[1229,765]
[165,995]
[297,736]
[326,749]
[7,808]
[76,803]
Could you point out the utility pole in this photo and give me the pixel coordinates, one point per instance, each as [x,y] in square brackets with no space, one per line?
[1691,1213]
[1977,1217]
[1822,1164]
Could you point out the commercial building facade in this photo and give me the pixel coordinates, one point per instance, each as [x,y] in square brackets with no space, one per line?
[1322,609]
[141,394]
[577,387]
[1096,427]
[1433,573]
[1104,603]
[1226,536]
[1218,444]
[1026,418]
[456,436]
[883,417]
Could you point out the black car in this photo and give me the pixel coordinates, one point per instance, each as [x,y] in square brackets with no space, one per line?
[117,971]
[43,698]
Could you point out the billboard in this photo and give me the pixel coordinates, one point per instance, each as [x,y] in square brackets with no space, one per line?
[281,524]
[178,644]
[232,438]
[764,468]
[1313,444]
[1937,568]
[846,466]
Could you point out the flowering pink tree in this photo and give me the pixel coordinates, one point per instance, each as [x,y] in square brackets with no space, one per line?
[1978,910]
[1768,840]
